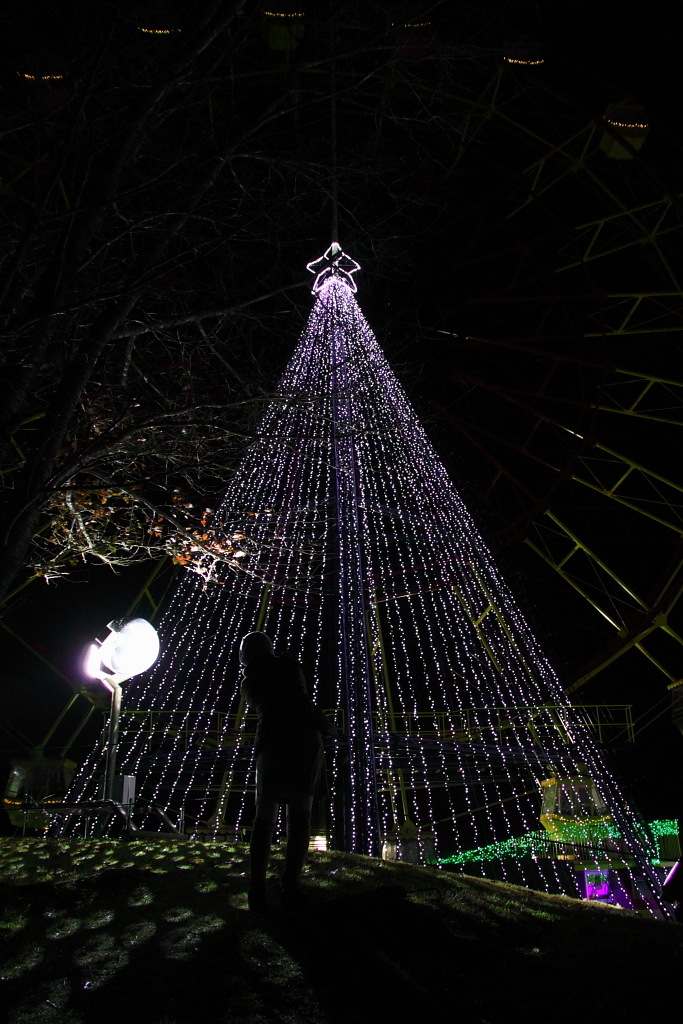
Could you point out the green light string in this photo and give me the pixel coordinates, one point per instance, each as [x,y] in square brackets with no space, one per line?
[521,846]
[665,827]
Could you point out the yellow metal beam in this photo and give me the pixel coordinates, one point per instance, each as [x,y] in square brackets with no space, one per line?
[477,626]
[385,671]
[594,558]
[656,662]
[636,414]
[656,379]
[677,528]
[640,330]
[648,234]
[573,583]
[608,661]
[658,622]
[663,201]
[632,464]
[145,591]
[633,409]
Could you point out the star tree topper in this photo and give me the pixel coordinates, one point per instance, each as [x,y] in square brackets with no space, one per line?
[334,263]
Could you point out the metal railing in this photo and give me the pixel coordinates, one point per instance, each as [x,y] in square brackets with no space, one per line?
[195,730]
[186,730]
[605,721]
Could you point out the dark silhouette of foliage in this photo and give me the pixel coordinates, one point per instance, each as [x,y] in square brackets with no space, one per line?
[168,172]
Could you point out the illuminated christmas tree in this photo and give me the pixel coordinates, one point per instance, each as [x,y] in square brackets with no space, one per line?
[343,538]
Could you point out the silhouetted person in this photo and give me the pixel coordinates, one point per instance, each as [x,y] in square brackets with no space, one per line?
[290,762]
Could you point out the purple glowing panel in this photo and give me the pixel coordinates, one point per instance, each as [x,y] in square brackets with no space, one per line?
[351,546]
[597,885]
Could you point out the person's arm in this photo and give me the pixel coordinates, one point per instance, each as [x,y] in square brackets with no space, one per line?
[248,692]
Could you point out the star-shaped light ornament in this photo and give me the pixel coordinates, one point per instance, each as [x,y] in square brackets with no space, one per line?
[334,263]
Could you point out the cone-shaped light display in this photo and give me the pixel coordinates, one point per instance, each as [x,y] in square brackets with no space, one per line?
[344,539]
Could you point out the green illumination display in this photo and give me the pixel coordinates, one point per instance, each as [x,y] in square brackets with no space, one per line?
[665,827]
[518,846]
[526,845]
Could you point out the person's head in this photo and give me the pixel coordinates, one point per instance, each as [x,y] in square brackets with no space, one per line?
[255,646]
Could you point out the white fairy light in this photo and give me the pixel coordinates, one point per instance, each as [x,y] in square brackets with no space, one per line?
[360,556]
[628,124]
[334,263]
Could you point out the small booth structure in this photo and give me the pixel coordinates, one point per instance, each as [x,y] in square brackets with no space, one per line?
[574,812]
[39,780]
[579,825]
[410,845]
[582,832]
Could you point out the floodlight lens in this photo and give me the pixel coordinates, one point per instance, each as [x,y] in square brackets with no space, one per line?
[92,658]
[131,650]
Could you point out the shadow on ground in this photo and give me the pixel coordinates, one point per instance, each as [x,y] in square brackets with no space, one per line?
[168,939]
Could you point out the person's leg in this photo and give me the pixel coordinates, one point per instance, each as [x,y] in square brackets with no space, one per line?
[265,821]
[298,837]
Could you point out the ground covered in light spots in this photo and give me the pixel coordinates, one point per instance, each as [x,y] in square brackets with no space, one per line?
[155,931]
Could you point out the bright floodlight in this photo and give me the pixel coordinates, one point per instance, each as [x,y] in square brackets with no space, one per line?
[128,650]
[91,663]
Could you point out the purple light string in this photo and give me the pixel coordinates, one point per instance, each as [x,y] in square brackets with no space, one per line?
[360,556]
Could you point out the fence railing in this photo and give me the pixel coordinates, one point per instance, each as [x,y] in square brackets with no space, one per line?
[606,722]
[186,730]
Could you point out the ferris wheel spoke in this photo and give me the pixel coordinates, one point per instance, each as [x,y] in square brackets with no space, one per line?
[648,381]
[568,275]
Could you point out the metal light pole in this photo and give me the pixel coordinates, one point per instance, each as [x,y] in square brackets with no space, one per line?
[131,648]
[112,741]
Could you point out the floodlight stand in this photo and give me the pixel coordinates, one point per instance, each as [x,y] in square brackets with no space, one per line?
[112,740]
